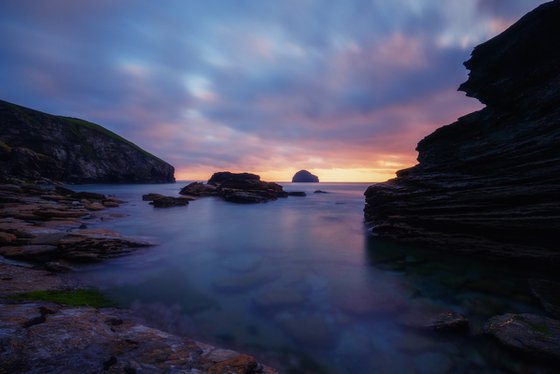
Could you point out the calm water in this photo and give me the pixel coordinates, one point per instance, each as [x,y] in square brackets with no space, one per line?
[300,284]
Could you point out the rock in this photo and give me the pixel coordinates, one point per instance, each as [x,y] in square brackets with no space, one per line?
[37,145]
[527,333]
[160,201]
[303,176]
[319,191]
[198,189]
[6,238]
[297,193]
[310,331]
[40,252]
[236,188]
[169,201]
[449,321]
[74,340]
[548,293]
[488,183]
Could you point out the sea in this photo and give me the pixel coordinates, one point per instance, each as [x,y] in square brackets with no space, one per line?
[301,284]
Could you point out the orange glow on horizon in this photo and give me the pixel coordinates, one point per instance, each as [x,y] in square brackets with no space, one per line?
[363,175]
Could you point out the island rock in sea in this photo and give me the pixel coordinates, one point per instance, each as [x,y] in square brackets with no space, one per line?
[36,145]
[489,183]
[303,176]
[236,187]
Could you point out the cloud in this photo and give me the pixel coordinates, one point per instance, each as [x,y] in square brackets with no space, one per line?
[246,85]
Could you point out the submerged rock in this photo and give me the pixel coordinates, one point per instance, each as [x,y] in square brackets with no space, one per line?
[303,176]
[488,184]
[297,193]
[35,145]
[237,188]
[449,321]
[527,333]
[548,293]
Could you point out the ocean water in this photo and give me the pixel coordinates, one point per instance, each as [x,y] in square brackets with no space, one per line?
[299,283]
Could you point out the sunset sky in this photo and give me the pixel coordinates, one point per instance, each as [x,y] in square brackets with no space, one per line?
[343,88]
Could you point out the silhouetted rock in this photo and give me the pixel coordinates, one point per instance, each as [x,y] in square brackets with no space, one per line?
[36,145]
[320,191]
[161,201]
[303,176]
[488,183]
[297,193]
[237,188]
[198,189]
[530,334]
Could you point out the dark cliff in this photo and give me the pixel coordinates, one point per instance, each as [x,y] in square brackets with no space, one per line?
[489,183]
[36,145]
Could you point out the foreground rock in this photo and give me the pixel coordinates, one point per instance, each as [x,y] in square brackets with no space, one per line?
[488,184]
[45,226]
[531,334]
[303,176]
[38,336]
[35,145]
[236,187]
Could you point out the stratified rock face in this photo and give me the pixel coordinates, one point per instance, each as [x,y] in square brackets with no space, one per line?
[489,183]
[35,145]
[303,176]
[236,188]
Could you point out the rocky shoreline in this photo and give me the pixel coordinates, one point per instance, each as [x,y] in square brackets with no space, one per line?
[47,227]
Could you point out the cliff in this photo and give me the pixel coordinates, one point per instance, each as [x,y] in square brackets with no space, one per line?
[35,145]
[303,176]
[489,183]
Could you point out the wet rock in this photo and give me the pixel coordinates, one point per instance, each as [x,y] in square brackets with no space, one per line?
[488,183]
[449,321]
[527,333]
[80,340]
[199,189]
[319,191]
[548,293]
[41,252]
[6,238]
[303,176]
[310,330]
[297,193]
[161,201]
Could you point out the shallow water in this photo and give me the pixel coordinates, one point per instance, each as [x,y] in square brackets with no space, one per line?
[299,283]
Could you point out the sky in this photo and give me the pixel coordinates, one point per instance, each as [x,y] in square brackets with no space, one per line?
[343,88]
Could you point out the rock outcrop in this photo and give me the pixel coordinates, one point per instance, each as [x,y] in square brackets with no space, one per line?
[303,176]
[236,187]
[527,333]
[161,201]
[488,183]
[36,145]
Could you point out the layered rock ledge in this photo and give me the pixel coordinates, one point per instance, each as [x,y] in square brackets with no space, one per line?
[488,184]
[47,228]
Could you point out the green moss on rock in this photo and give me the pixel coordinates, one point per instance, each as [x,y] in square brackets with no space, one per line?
[73,297]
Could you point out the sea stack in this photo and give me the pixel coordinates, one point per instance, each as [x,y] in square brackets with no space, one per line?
[488,184]
[303,176]
[36,145]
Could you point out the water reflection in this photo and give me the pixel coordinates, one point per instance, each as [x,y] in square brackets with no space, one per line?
[300,284]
